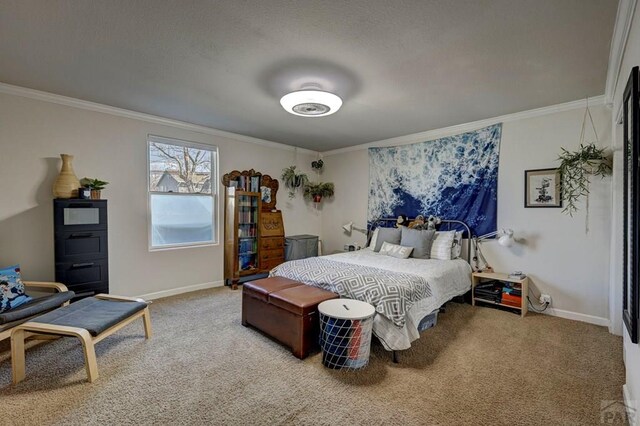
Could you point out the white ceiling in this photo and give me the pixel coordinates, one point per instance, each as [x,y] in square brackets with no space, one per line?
[401,66]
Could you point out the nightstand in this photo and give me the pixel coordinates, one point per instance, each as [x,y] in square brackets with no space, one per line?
[478,277]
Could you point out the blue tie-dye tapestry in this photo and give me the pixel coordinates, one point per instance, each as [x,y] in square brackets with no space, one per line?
[454,178]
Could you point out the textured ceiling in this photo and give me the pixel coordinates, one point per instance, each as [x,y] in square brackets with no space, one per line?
[400,66]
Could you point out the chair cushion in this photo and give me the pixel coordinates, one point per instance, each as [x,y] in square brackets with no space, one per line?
[36,306]
[260,289]
[11,289]
[94,315]
[302,300]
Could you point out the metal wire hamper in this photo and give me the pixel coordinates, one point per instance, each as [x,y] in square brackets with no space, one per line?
[345,333]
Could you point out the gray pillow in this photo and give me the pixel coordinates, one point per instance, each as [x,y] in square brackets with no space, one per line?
[420,240]
[390,235]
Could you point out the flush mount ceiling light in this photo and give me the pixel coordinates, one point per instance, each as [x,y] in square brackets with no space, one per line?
[311,103]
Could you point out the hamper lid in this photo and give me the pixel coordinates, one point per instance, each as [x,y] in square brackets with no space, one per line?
[346,309]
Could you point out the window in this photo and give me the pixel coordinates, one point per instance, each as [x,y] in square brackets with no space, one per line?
[182,193]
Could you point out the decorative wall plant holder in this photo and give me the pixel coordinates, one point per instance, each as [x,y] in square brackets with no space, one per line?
[316,191]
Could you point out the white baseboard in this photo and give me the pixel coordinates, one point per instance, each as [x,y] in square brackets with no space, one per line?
[180,290]
[591,319]
[629,404]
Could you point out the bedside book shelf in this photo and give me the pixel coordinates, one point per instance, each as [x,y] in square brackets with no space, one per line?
[479,277]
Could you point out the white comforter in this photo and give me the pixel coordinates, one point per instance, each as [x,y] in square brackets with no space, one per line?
[447,278]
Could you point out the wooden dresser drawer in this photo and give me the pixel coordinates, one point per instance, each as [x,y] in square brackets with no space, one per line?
[272,243]
[271,254]
[268,265]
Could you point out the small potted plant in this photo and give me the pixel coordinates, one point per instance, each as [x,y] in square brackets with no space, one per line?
[96,186]
[576,169]
[315,191]
[293,180]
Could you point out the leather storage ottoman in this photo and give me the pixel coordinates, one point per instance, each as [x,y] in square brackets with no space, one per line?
[286,310]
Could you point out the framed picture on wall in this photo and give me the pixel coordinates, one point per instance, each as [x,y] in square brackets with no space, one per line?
[542,188]
[631,142]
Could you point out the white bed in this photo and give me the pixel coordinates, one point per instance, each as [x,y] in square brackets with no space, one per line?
[447,278]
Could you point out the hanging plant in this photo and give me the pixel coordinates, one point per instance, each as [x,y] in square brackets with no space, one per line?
[317,165]
[316,191]
[293,180]
[576,168]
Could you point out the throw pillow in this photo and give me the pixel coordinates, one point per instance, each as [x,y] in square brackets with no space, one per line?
[442,245]
[395,250]
[390,235]
[11,289]
[456,249]
[374,238]
[420,240]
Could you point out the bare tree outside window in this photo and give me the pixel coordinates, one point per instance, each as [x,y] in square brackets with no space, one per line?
[176,168]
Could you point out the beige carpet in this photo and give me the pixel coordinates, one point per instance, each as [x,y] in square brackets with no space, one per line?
[478,366]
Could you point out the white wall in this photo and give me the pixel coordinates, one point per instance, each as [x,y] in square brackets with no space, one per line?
[554,250]
[32,135]
[631,58]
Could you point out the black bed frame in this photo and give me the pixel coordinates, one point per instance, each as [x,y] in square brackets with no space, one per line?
[449,223]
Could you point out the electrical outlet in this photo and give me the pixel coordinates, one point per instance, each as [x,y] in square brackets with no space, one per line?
[545,299]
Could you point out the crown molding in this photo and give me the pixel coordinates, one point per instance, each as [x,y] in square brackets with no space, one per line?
[461,128]
[24,92]
[621,28]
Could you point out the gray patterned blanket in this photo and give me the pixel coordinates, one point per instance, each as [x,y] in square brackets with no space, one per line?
[391,293]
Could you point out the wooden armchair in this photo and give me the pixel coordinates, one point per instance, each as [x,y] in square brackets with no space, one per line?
[59,296]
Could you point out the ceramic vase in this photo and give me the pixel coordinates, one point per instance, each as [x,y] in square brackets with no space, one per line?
[66,184]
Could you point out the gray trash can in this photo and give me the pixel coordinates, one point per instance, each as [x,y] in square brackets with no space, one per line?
[300,247]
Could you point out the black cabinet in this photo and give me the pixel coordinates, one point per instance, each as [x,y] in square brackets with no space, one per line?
[81,247]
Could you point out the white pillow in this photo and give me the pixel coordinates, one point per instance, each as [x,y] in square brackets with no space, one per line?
[374,239]
[395,250]
[442,245]
[456,249]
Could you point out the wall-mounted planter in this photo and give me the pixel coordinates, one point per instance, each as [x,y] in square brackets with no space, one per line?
[316,191]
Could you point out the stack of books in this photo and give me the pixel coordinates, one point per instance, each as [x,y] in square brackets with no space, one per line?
[247,183]
[512,294]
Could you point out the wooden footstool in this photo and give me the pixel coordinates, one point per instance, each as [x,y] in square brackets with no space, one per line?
[286,310]
[90,320]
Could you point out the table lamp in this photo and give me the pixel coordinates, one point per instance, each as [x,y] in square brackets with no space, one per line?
[505,239]
[349,227]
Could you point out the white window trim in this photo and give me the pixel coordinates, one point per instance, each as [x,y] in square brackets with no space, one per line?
[215,193]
